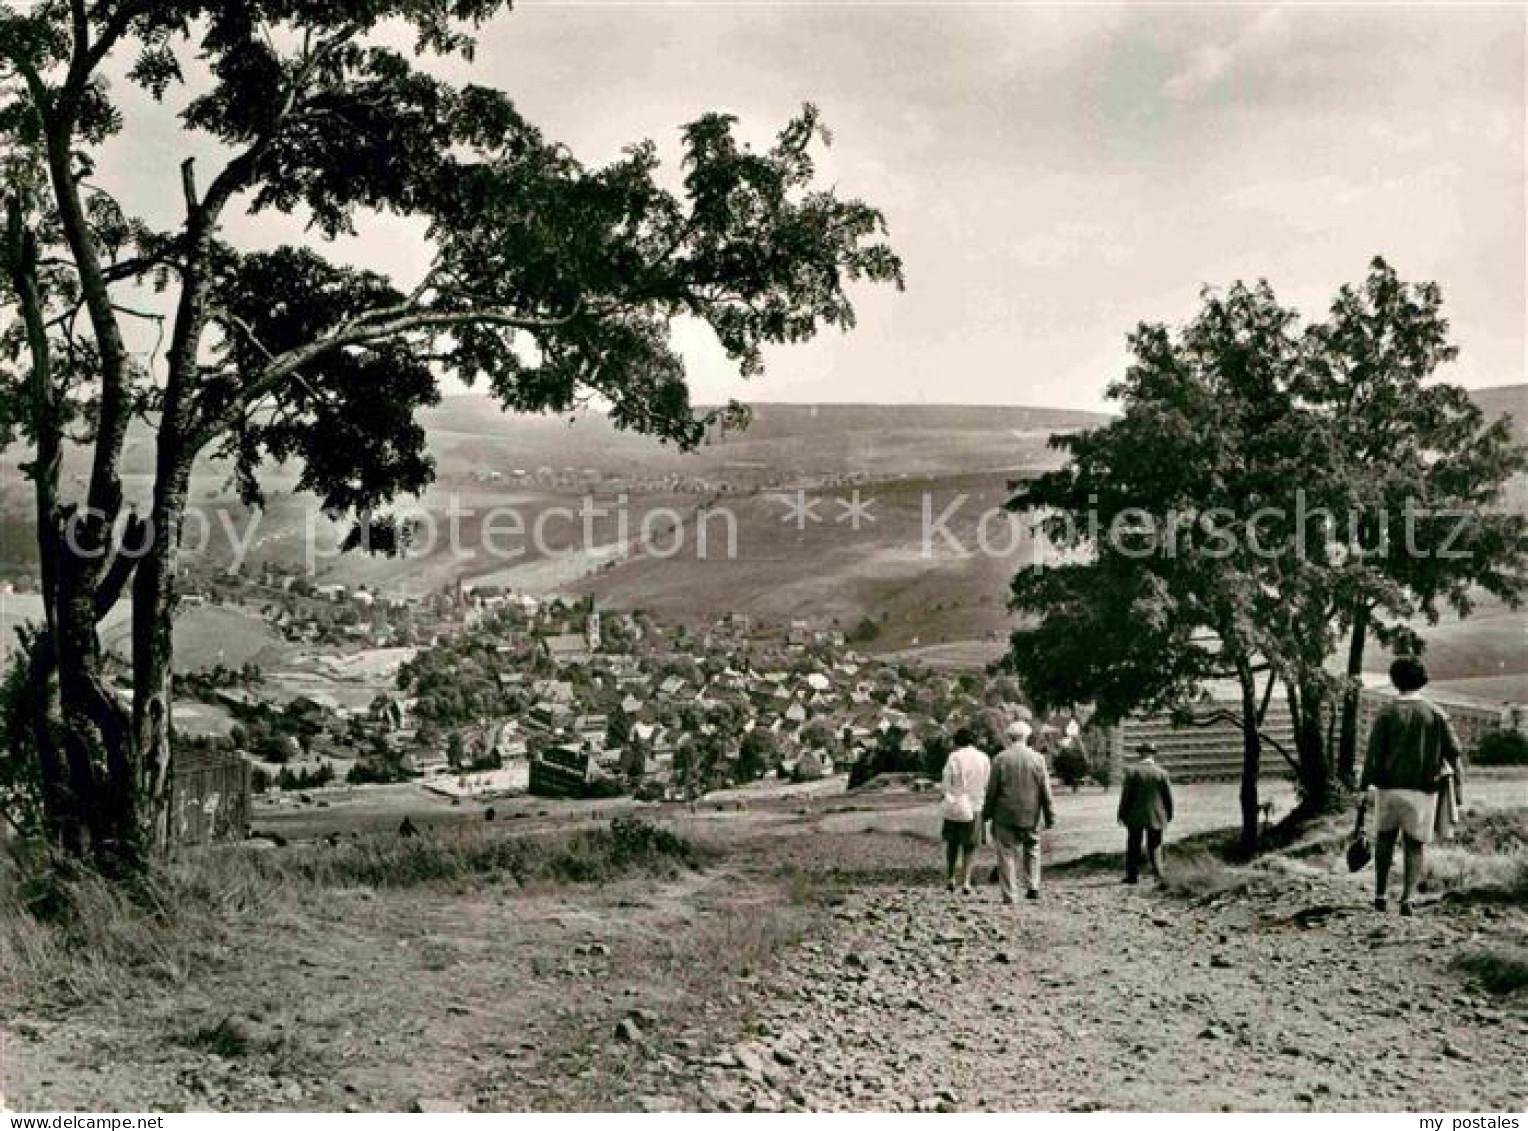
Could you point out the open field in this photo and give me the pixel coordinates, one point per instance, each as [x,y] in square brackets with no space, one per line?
[1506,688]
[920,581]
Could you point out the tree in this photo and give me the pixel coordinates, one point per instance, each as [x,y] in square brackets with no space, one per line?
[618,727]
[1412,453]
[553,282]
[866,631]
[820,734]
[1214,530]
[1158,594]
[758,753]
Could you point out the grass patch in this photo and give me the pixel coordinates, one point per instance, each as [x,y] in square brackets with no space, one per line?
[227,1039]
[1198,874]
[810,889]
[1500,970]
[628,846]
[69,936]
[1460,874]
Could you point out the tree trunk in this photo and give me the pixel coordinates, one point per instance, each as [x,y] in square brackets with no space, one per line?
[1347,742]
[99,810]
[1252,758]
[61,809]
[1307,711]
[153,656]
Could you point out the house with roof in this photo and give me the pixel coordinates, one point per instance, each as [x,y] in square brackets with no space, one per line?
[553,691]
[566,648]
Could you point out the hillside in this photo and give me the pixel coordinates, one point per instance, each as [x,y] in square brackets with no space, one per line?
[468,433]
[930,561]
[1506,400]
[902,458]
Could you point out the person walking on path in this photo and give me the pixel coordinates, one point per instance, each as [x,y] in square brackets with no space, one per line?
[1412,749]
[965,785]
[1145,809]
[1018,802]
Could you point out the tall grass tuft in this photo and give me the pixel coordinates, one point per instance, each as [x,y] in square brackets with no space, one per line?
[1202,875]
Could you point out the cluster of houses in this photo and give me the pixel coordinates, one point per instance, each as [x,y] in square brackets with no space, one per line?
[332,613]
[510,693]
[559,699]
[585,478]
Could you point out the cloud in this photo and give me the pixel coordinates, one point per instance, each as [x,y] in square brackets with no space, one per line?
[1263,43]
[1206,67]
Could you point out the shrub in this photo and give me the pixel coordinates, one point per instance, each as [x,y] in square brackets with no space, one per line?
[865,632]
[368,772]
[322,775]
[604,789]
[1502,748]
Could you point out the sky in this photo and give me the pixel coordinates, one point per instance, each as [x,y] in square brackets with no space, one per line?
[1054,174]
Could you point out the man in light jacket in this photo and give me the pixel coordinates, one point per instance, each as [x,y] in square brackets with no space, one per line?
[1145,809]
[1018,802]
[965,785]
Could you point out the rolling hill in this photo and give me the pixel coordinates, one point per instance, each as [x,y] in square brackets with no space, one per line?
[949,592]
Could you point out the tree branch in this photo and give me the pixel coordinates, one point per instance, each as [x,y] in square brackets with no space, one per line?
[201,221]
[1223,715]
[1262,709]
[111,586]
[85,56]
[362,331]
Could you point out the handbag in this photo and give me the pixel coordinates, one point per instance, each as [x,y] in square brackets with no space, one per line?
[1359,852]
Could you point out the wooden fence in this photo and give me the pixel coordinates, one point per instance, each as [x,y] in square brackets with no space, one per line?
[1214,752]
[209,797]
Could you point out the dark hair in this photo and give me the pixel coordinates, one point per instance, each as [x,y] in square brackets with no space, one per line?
[965,736]
[1408,674]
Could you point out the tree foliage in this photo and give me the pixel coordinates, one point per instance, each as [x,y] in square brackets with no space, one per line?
[551,282]
[1226,526]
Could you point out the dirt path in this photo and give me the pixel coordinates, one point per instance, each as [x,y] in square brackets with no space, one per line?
[433,1000]
[1101,996]
[819,967]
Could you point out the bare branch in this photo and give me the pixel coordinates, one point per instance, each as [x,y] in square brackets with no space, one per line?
[1223,715]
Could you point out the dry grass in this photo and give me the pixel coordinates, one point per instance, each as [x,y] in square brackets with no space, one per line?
[1199,874]
[1488,862]
[73,937]
[1501,969]
[1459,872]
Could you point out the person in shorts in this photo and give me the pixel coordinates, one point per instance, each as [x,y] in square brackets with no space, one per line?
[965,789]
[1411,749]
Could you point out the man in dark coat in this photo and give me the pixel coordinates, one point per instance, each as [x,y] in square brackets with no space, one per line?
[1145,808]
